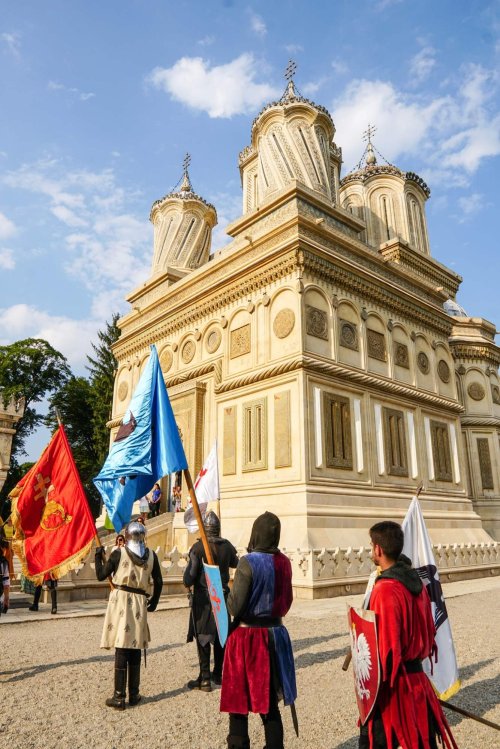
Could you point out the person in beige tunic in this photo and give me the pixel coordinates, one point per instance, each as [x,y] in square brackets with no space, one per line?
[132,568]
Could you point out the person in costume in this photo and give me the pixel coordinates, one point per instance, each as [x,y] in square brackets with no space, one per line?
[4,578]
[202,626]
[126,622]
[258,666]
[407,712]
[50,583]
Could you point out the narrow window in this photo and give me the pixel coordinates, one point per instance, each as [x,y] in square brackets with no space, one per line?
[441,451]
[337,422]
[255,435]
[395,442]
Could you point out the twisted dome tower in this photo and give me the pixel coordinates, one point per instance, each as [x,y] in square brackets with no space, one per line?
[292,139]
[390,201]
[183,223]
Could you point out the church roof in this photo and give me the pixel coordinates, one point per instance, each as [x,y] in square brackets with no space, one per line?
[292,96]
[454,309]
[368,167]
[184,192]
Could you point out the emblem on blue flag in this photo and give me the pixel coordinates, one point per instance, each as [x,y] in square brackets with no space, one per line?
[147,447]
[217,600]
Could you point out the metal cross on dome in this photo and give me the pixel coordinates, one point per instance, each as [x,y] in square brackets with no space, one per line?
[290,70]
[369,132]
[186,162]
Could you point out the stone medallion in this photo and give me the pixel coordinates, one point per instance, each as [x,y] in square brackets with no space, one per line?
[495,394]
[443,370]
[122,391]
[188,351]
[476,391]
[423,362]
[166,359]
[316,322]
[401,357]
[284,323]
[213,341]
[348,335]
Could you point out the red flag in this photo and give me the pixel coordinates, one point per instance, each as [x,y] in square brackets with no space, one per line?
[53,526]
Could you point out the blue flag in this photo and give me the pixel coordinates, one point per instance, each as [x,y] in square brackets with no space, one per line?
[217,600]
[147,447]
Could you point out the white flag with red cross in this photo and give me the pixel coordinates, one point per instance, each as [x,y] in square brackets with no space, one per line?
[206,487]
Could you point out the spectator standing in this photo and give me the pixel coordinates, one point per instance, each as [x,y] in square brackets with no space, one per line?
[154,503]
[4,579]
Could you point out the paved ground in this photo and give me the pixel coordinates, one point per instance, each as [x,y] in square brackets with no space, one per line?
[54,679]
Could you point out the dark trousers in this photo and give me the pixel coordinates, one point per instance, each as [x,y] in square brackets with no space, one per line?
[125,656]
[273,727]
[154,509]
[204,655]
[53,595]
[379,740]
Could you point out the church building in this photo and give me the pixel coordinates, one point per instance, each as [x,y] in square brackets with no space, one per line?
[323,348]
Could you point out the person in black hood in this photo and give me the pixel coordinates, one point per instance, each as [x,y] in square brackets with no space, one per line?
[202,626]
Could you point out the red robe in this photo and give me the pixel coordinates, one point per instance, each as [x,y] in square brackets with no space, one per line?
[405,631]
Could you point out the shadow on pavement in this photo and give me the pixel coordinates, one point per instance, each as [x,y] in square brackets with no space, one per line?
[309,659]
[477,698]
[308,642]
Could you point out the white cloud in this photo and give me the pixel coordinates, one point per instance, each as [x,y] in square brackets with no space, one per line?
[339,67]
[67,216]
[229,207]
[383,4]
[207,41]
[7,261]
[82,95]
[12,42]
[470,205]
[258,25]
[451,134]
[422,64]
[7,227]
[69,336]
[221,90]
[293,49]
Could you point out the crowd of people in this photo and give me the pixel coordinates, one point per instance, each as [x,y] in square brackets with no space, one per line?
[256,668]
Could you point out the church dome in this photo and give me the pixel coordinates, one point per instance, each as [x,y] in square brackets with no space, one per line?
[292,140]
[454,309]
[389,200]
[183,223]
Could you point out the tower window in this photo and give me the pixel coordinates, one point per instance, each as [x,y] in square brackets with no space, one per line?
[395,442]
[441,451]
[337,422]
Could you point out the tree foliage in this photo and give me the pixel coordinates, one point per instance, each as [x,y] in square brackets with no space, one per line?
[102,368]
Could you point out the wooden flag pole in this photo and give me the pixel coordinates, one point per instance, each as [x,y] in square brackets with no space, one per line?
[467,714]
[197,514]
[348,658]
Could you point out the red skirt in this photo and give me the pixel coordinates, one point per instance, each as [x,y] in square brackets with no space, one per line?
[247,672]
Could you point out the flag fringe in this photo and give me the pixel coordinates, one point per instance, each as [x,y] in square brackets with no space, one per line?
[450,691]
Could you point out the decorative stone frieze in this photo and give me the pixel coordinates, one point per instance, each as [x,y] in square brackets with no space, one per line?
[240,343]
[375,344]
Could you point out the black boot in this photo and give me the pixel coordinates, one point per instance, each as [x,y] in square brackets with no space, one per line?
[36,598]
[134,680]
[53,596]
[118,699]
[203,685]
[238,732]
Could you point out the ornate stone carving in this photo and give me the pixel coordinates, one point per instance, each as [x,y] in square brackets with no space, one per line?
[284,323]
[240,343]
[188,351]
[476,391]
[495,394]
[316,322]
[349,335]
[443,370]
[483,451]
[423,362]
[376,345]
[166,359]
[122,391]
[213,341]
[401,356]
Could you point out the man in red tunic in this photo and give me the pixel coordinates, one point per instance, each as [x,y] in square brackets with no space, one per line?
[407,712]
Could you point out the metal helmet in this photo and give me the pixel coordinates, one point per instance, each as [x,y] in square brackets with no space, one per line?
[136,538]
[212,524]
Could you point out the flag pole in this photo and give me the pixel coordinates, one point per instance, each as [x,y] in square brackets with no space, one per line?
[467,714]
[199,519]
[348,658]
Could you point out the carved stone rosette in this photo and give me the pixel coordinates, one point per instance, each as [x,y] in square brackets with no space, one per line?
[122,391]
[166,360]
[316,322]
[401,356]
[349,335]
[476,391]
[188,352]
[213,341]
[284,323]
[376,345]
[443,370]
[240,342]
[423,362]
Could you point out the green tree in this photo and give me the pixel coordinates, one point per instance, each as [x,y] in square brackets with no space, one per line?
[102,368]
[30,369]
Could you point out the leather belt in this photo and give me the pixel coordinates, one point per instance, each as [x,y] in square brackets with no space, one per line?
[129,589]
[414,666]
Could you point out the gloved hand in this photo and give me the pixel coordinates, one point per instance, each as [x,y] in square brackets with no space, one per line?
[151,605]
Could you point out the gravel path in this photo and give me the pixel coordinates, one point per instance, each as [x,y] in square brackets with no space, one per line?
[54,680]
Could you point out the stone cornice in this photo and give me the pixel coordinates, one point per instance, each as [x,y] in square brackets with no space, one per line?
[480,421]
[425,266]
[485,352]
[343,374]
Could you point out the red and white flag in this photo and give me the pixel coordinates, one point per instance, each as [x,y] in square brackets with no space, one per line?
[418,547]
[206,487]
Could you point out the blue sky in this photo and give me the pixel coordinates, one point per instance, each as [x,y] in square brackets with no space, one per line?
[100,100]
